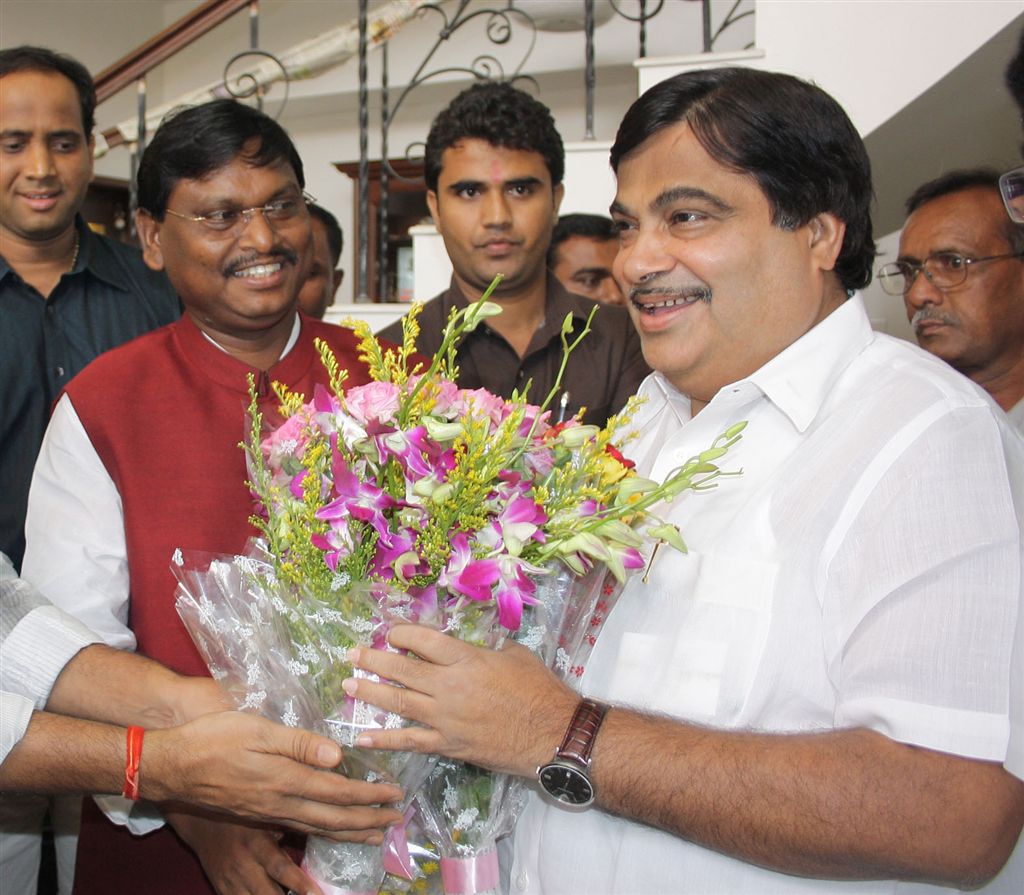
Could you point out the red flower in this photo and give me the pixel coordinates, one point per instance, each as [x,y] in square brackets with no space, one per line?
[617,455]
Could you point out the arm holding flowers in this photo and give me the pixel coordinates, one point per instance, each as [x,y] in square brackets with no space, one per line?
[845,804]
[84,693]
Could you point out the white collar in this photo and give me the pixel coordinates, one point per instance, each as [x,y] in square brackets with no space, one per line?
[797,380]
[289,345]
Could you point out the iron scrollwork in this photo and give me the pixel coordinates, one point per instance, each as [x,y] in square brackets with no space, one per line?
[499,29]
[648,11]
[500,26]
[246,84]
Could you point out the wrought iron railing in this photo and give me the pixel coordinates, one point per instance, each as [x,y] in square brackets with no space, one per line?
[502,20]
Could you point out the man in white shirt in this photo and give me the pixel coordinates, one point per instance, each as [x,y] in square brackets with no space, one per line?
[814,699]
[960,271]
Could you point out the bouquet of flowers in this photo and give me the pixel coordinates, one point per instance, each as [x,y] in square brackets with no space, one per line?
[410,499]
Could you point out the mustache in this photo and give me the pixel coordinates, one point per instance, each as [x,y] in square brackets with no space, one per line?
[279,254]
[690,293]
[930,313]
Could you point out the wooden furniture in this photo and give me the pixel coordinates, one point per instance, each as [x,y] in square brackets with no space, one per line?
[407,206]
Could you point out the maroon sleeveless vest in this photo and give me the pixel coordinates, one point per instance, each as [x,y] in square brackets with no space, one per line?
[165,414]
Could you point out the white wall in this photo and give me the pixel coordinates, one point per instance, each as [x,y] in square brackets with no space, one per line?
[875,56]
[97,33]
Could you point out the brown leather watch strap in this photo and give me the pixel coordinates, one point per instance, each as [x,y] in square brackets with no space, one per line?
[582,731]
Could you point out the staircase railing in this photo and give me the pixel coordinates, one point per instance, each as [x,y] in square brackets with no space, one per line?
[203,19]
[500,15]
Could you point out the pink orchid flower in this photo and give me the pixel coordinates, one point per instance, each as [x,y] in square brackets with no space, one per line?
[515,590]
[398,559]
[518,522]
[467,576]
[335,544]
[414,449]
[324,401]
[360,500]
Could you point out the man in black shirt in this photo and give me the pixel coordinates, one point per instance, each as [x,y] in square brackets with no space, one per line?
[66,294]
[494,165]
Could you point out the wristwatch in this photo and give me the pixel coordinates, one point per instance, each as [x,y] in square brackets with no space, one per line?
[566,778]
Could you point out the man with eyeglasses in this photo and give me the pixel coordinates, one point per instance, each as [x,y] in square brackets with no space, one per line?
[961,274]
[142,455]
[1011,185]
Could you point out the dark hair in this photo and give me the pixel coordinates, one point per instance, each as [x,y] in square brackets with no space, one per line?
[503,116]
[333,228]
[968,179]
[196,141]
[1015,75]
[788,135]
[26,58]
[591,226]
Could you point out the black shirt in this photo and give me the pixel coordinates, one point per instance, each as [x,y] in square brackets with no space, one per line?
[108,298]
[605,369]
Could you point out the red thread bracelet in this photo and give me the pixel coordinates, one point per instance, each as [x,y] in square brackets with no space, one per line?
[133,758]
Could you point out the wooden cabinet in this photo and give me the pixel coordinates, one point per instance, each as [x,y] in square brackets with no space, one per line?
[105,208]
[407,206]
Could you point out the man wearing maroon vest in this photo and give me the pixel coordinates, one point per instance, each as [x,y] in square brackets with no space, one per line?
[142,458]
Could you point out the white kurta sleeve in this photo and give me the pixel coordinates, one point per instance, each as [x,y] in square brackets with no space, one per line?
[75,543]
[37,640]
[15,713]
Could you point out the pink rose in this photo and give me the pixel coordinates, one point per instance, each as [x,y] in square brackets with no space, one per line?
[287,440]
[482,404]
[375,402]
[446,397]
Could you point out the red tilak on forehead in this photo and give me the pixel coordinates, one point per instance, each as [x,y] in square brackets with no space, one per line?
[497,171]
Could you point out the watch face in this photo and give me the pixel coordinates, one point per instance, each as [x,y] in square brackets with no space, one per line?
[567,784]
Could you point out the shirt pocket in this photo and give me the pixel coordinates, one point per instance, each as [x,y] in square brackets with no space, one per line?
[693,646]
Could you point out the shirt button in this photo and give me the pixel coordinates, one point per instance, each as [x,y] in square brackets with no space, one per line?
[522,881]
[521,375]
[50,312]
[60,371]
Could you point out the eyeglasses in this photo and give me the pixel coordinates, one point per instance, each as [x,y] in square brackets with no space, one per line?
[232,221]
[1011,185]
[944,270]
